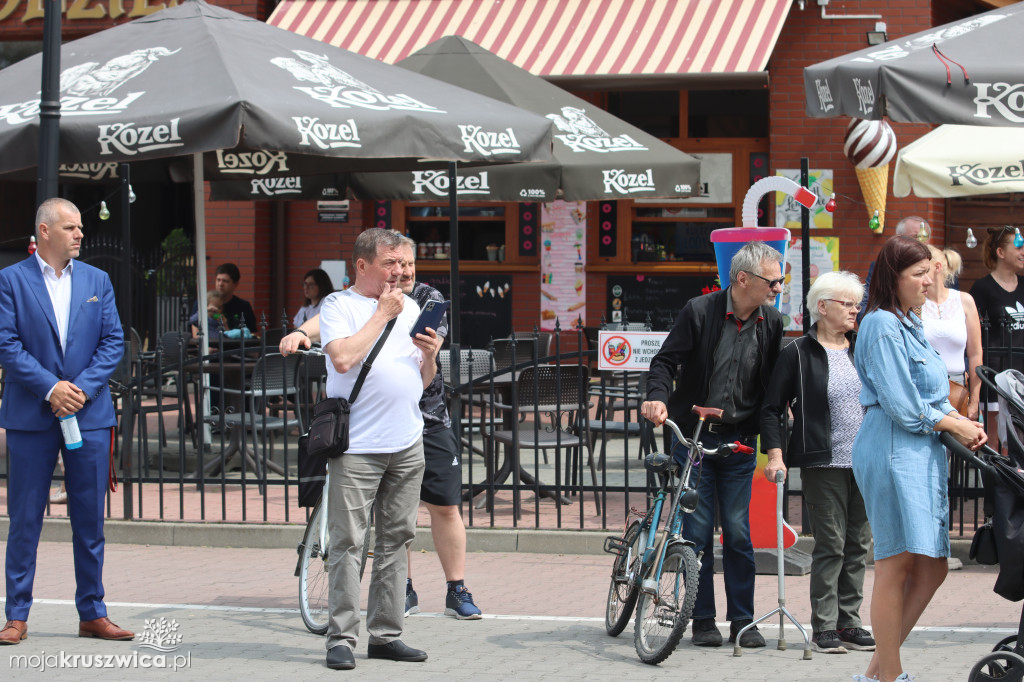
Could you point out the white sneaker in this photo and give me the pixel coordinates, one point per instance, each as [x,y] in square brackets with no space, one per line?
[904,677]
[864,678]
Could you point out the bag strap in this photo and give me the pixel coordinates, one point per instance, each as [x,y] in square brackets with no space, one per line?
[368,363]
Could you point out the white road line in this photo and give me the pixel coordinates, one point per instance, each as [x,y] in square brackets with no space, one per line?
[552,619]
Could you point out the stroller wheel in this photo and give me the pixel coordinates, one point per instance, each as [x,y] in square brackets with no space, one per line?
[1003,665]
[1006,644]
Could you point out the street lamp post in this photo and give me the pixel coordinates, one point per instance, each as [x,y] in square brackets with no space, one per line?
[49,104]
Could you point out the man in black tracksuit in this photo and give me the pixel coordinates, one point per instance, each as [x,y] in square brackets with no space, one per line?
[720,353]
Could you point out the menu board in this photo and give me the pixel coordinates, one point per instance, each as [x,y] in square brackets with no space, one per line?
[486,305]
[661,297]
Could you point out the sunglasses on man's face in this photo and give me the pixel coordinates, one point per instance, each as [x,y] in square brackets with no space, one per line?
[772,283]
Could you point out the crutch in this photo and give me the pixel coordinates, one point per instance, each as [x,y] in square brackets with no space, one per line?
[781,610]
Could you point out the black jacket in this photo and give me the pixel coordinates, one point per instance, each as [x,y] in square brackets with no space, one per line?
[688,357]
[801,380]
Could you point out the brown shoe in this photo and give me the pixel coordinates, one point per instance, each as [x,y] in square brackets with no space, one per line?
[14,631]
[102,628]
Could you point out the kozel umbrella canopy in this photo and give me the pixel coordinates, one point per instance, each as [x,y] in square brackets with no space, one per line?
[968,72]
[958,161]
[596,155]
[258,100]
[198,78]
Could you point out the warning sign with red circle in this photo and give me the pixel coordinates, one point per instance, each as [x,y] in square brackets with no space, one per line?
[628,350]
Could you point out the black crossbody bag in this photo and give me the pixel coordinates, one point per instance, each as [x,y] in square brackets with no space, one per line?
[327,436]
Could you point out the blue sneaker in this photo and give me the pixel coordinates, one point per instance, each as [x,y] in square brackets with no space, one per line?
[459,603]
[412,602]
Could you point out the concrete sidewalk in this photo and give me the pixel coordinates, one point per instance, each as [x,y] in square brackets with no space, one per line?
[236,612]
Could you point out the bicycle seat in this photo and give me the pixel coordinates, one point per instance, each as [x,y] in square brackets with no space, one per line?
[705,412]
[660,463]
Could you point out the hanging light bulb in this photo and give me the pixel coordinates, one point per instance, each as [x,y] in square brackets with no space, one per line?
[972,241]
[104,213]
[922,234]
[830,205]
[1018,240]
[31,245]
[131,195]
[875,224]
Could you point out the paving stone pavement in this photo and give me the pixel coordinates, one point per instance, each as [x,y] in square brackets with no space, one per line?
[236,613]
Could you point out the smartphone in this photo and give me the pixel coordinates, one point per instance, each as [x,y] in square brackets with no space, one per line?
[431,316]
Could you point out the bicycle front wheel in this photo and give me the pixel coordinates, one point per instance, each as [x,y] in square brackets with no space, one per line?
[622,593]
[314,582]
[661,618]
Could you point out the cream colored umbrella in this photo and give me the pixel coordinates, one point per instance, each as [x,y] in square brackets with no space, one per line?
[959,161]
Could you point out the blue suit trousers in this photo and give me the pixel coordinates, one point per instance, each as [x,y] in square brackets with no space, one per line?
[33,456]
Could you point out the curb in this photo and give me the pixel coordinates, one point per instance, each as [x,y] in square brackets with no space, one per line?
[287,536]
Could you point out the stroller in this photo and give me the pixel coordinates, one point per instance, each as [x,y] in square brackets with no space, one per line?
[1005,477]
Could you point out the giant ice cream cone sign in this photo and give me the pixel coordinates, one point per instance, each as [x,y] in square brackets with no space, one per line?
[729,240]
[870,146]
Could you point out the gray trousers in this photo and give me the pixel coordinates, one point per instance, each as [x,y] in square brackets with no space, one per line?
[356,481]
[842,536]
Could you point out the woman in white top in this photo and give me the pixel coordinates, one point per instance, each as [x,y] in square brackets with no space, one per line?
[952,325]
[316,285]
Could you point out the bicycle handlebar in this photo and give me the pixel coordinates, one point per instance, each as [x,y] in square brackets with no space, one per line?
[690,443]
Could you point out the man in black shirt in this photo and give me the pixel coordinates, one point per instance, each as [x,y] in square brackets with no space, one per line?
[235,311]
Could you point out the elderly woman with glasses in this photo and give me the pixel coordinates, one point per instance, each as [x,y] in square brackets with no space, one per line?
[816,377]
[898,459]
[316,285]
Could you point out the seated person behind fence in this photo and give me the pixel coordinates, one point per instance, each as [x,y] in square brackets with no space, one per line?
[235,310]
[315,287]
[214,319]
[816,377]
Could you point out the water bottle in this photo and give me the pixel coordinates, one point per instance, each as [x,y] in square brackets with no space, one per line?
[72,436]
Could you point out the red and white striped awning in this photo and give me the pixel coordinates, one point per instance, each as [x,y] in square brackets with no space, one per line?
[557,37]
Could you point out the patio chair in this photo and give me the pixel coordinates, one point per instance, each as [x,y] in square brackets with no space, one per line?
[546,390]
[164,383]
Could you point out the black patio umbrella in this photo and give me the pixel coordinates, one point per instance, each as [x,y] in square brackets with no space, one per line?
[596,155]
[969,72]
[258,100]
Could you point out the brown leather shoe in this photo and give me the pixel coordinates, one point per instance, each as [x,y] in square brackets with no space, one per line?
[14,631]
[102,628]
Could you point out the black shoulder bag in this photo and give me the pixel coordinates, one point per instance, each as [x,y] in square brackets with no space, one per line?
[327,436]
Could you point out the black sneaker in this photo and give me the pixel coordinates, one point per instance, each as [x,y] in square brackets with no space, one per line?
[857,639]
[751,639]
[412,602]
[705,633]
[828,642]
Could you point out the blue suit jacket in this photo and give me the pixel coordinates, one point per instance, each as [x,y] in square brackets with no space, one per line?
[30,346]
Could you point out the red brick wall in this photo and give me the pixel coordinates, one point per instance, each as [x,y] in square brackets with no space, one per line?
[806,39]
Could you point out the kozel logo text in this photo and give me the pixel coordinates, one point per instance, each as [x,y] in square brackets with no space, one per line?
[129,139]
[252,163]
[589,143]
[327,135]
[436,182]
[824,95]
[24,112]
[1006,98]
[344,98]
[88,171]
[628,183]
[865,96]
[276,186]
[487,143]
[980,176]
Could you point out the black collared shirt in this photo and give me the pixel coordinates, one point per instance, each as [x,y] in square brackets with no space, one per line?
[734,380]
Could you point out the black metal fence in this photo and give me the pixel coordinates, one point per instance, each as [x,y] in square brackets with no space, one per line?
[210,433]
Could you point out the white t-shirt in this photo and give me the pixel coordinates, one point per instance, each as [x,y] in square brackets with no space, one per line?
[386,415]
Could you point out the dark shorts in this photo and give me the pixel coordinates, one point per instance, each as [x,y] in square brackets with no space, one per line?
[442,477]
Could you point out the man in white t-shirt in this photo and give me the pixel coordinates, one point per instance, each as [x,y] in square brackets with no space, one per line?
[384,460]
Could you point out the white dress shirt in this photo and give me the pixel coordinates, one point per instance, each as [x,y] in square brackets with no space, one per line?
[59,289]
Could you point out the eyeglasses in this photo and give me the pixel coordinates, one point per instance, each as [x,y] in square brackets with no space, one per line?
[849,305]
[772,283]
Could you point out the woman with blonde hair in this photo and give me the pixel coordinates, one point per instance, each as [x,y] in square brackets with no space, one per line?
[952,325]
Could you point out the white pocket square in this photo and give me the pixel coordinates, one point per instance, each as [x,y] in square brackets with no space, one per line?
[93,300]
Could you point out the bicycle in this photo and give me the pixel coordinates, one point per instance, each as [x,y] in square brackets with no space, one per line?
[656,570]
[313,550]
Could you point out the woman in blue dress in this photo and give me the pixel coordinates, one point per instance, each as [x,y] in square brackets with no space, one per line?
[898,460]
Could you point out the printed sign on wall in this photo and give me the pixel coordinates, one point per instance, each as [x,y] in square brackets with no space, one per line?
[824,258]
[563,291]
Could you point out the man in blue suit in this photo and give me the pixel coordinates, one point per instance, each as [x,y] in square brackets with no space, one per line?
[60,340]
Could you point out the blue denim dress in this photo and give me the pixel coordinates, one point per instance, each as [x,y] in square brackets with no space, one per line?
[898,461]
